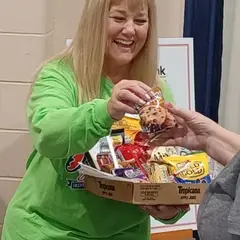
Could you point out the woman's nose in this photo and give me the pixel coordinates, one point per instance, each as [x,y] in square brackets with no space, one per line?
[129,28]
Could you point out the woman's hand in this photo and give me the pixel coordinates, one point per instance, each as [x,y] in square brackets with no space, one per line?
[126,95]
[163,212]
[193,133]
[197,132]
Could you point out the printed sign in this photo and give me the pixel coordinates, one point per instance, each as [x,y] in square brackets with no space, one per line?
[176,68]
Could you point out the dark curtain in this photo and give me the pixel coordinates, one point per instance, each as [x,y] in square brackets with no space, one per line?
[204,23]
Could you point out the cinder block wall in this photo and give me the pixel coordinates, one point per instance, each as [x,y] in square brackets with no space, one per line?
[30,32]
[26,39]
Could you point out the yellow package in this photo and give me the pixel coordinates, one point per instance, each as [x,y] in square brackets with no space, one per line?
[131,126]
[158,172]
[192,168]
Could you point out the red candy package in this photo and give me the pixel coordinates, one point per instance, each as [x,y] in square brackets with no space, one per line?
[130,151]
[127,152]
[142,141]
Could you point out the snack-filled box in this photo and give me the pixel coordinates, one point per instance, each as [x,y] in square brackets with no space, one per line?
[130,191]
[126,166]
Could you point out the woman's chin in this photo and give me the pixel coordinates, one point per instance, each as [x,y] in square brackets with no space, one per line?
[123,60]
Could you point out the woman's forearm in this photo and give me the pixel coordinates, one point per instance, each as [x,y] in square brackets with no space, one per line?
[222,144]
[231,138]
[220,151]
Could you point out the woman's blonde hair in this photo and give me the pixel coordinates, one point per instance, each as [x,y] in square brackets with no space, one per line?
[87,49]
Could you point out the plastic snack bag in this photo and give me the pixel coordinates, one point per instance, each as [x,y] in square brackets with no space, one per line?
[130,173]
[189,168]
[154,118]
[162,151]
[158,172]
[130,124]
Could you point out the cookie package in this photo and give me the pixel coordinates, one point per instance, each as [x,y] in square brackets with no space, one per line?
[154,117]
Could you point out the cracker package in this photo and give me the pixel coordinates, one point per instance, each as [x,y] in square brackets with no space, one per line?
[158,172]
[154,118]
[160,152]
[192,168]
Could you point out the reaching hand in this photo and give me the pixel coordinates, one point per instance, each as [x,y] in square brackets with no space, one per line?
[193,132]
[126,95]
[164,212]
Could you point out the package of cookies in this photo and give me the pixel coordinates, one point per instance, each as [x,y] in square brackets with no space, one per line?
[154,118]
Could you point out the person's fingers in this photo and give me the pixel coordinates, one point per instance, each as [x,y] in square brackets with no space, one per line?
[184,207]
[145,208]
[126,84]
[164,208]
[187,115]
[140,92]
[125,95]
[162,211]
[162,142]
[170,136]
[166,212]
[180,121]
[151,210]
[145,87]
[121,107]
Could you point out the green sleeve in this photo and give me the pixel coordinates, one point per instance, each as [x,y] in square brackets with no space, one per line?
[59,126]
[167,92]
[174,219]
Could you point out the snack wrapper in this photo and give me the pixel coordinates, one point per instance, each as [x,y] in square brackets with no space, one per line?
[118,137]
[160,152]
[104,158]
[184,151]
[126,164]
[159,172]
[130,124]
[154,118]
[130,173]
[142,141]
[131,151]
[192,168]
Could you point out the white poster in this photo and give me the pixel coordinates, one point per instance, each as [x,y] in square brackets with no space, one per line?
[176,67]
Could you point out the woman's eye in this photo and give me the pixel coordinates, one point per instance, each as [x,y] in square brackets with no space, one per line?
[119,19]
[140,21]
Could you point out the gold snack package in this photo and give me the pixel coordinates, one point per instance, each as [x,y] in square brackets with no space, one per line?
[192,168]
[131,126]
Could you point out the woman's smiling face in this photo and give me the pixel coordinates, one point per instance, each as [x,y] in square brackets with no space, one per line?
[127,32]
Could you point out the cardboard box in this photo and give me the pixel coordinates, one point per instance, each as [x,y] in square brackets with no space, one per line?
[144,193]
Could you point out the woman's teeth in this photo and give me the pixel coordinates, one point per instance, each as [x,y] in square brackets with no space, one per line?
[124,43]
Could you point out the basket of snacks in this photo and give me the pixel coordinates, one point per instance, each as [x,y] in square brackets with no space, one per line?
[129,169]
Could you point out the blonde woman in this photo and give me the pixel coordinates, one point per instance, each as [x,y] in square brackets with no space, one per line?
[76,98]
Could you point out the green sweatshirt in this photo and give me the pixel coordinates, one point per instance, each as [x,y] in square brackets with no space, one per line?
[50,203]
